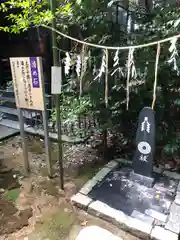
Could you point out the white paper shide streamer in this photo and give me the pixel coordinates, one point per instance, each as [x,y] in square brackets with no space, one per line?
[81,66]
[67,64]
[116,63]
[85,60]
[82,60]
[78,66]
[131,73]
[174,55]
[102,69]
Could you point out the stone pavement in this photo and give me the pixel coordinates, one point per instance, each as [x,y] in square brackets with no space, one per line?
[96,233]
[151,223]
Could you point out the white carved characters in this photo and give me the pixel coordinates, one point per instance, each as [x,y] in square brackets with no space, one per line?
[144,147]
[145,125]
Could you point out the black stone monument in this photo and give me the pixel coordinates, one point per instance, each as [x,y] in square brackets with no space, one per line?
[137,190]
[145,147]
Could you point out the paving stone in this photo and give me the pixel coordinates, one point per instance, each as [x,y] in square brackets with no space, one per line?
[104,211]
[136,226]
[112,164]
[167,186]
[104,171]
[96,233]
[159,233]
[98,177]
[140,179]
[157,169]
[88,186]
[81,200]
[156,215]
[142,217]
[159,223]
[172,175]
[178,188]
[123,161]
[139,228]
[177,198]
[167,206]
[173,223]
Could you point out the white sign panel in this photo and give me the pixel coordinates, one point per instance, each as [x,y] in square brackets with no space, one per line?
[56,80]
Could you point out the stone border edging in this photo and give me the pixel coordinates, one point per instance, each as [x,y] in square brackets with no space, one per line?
[86,189]
[135,226]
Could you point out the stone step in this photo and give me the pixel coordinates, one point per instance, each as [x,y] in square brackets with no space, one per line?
[15,118]
[9,97]
[10,103]
[14,111]
[12,100]
[10,93]
[40,132]
[6,132]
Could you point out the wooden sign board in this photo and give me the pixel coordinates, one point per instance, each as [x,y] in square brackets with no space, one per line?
[27,77]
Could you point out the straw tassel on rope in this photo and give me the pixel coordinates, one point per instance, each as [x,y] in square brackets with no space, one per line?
[84,62]
[127,82]
[106,78]
[156,74]
[131,72]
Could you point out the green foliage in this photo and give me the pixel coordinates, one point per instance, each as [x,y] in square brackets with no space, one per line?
[92,21]
[173,148]
[12,194]
[177,101]
[160,24]
[23,14]
[73,107]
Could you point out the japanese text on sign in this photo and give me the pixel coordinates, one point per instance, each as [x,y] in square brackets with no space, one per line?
[34,72]
[27,81]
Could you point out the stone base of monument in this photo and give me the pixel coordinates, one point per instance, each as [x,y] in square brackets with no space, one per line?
[147,211]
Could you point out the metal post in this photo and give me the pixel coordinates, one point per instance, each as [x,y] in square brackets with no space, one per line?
[58,119]
[23,141]
[46,142]
[60,153]
[45,124]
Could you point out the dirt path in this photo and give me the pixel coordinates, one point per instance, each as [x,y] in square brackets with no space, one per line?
[88,220]
[35,208]
[53,216]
